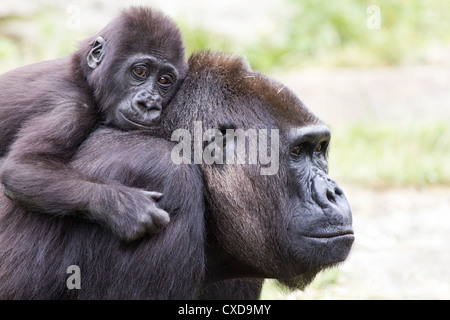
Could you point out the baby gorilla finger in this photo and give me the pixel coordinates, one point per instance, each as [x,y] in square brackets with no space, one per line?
[155,195]
[158,219]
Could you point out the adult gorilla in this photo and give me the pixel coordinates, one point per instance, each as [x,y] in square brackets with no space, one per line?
[228,221]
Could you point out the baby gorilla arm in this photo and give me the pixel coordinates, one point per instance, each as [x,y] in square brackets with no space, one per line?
[36,175]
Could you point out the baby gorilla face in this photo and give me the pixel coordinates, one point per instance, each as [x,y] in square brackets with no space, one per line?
[150,84]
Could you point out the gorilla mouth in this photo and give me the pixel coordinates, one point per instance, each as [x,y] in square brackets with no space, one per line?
[134,122]
[330,235]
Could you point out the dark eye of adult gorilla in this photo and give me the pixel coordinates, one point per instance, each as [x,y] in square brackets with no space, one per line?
[319,148]
[313,145]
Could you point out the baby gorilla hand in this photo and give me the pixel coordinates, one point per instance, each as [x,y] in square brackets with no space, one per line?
[130,213]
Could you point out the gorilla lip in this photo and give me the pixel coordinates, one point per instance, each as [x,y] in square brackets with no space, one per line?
[330,235]
[136,124]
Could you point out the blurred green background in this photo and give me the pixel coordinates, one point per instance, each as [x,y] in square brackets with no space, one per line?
[378,72]
[303,33]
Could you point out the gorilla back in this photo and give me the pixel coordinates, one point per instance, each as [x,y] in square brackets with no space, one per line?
[227,220]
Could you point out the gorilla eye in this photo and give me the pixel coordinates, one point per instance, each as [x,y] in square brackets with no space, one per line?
[165,81]
[140,72]
[297,151]
[318,148]
[321,146]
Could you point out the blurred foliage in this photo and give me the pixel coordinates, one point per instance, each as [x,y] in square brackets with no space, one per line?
[314,32]
[44,36]
[335,33]
[391,155]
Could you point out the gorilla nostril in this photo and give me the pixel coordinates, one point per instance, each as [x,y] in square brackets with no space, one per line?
[138,103]
[331,196]
[338,191]
[142,104]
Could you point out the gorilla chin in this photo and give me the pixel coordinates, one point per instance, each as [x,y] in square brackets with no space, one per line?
[317,250]
[302,281]
[312,255]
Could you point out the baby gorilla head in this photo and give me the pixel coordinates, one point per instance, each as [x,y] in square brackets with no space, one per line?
[134,66]
[151,84]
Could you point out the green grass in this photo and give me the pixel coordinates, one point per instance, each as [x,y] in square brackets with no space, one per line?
[392,155]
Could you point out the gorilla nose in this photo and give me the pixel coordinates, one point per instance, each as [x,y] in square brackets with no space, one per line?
[327,194]
[325,190]
[146,101]
[333,193]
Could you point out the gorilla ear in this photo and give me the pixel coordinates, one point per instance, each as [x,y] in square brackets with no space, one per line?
[97,53]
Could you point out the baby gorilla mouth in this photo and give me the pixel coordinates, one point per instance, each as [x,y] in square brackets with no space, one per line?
[144,120]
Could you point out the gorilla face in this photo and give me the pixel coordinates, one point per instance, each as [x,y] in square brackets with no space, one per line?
[317,213]
[147,84]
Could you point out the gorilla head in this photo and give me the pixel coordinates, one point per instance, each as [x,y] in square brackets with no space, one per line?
[298,218]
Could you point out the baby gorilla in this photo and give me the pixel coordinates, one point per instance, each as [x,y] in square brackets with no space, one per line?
[122,77]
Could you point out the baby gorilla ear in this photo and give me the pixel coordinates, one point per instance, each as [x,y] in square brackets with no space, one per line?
[97,53]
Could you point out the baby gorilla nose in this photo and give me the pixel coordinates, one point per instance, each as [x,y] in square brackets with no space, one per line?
[147,101]
[143,111]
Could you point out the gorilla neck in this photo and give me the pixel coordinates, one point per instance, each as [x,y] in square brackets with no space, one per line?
[221,266]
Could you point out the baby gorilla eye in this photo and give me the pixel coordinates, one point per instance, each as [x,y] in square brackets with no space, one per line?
[165,81]
[140,72]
